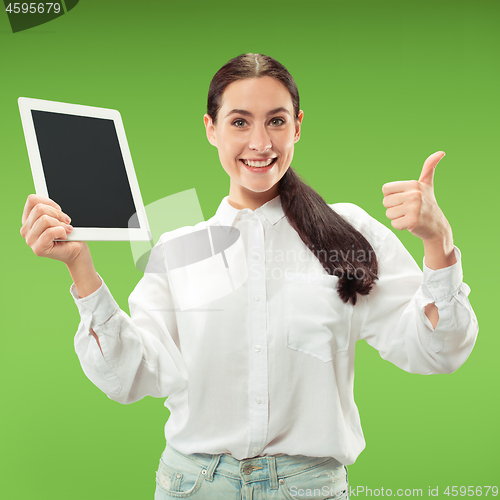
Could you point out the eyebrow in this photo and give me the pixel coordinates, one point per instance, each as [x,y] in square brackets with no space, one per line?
[247,113]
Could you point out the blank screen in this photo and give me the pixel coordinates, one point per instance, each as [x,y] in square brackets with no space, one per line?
[84,169]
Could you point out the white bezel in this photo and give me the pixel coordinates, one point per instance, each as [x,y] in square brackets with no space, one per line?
[85,233]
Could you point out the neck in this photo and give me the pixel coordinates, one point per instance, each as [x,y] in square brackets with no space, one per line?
[242,198]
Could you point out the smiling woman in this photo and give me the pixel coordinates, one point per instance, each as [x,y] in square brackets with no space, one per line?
[259,375]
[254,120]
[256,138]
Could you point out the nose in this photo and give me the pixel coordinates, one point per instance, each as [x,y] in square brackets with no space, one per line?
[260,141]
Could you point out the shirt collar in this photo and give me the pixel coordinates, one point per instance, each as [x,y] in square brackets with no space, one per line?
[228,215]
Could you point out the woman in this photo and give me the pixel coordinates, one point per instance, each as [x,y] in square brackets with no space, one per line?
[259,376]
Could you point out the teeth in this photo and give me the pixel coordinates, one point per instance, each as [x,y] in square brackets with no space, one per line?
[258,163]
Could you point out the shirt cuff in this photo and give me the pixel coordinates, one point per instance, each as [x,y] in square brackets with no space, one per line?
[100,304]
[439,284]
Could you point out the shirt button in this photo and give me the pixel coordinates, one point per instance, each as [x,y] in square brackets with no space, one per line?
[179,475]
[281,481]
[257,297]
[255,450]
[256,257]
[258,401]
[257,348]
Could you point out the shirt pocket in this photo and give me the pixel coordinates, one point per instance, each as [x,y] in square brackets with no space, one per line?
[317,322]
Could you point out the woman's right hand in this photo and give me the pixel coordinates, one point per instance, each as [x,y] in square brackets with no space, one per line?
[43,222]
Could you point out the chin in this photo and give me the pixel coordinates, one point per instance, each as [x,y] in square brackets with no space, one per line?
[260,189]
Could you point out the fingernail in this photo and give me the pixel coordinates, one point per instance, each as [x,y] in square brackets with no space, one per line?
[69,228]
[67,219]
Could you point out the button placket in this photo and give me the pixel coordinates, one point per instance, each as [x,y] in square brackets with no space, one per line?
[258,373]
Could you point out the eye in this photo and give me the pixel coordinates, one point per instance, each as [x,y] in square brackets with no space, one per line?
[277,122]
[239,123]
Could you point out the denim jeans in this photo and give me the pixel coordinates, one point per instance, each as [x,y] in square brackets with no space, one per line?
[202,476]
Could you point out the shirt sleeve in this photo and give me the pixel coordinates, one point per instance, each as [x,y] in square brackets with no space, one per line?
[140,353]
[394,319]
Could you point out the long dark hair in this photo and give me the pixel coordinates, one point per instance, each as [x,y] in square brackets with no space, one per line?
[342,250]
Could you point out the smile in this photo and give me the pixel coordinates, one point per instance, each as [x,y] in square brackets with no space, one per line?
[258,163]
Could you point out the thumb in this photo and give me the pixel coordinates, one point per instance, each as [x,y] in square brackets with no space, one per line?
[427,174]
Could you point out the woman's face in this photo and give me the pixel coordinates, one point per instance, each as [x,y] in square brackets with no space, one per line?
[255,135]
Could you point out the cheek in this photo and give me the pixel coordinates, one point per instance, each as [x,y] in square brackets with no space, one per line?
[286,148]
[227,156]
[286,141]
[227,159]
[230,146]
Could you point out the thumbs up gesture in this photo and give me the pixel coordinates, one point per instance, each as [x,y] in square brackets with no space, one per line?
[412,205]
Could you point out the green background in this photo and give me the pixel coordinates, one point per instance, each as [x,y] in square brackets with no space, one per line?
[383,85]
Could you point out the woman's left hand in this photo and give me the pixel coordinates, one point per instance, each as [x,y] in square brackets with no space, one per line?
[412,205]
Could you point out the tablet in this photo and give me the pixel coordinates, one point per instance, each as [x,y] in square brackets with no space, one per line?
[80,158]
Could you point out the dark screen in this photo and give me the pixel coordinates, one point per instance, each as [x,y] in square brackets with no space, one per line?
[84,169]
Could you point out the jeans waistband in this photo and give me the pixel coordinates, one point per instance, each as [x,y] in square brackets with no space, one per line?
[248,470]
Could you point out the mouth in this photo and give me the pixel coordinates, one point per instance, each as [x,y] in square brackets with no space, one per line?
[259,165]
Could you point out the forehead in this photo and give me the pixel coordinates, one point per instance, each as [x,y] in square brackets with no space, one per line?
[256,94]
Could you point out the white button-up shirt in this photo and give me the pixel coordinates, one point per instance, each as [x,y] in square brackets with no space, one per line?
[239,325]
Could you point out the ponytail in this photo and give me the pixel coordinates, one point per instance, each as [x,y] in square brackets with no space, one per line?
[342,250]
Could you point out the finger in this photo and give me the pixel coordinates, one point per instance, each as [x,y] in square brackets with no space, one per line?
[427,174]
[396,212]
[34,199]
[41,209]
[405,222]
[44,246]
[42,224]
[393,200]
[39,226]
[399,187]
